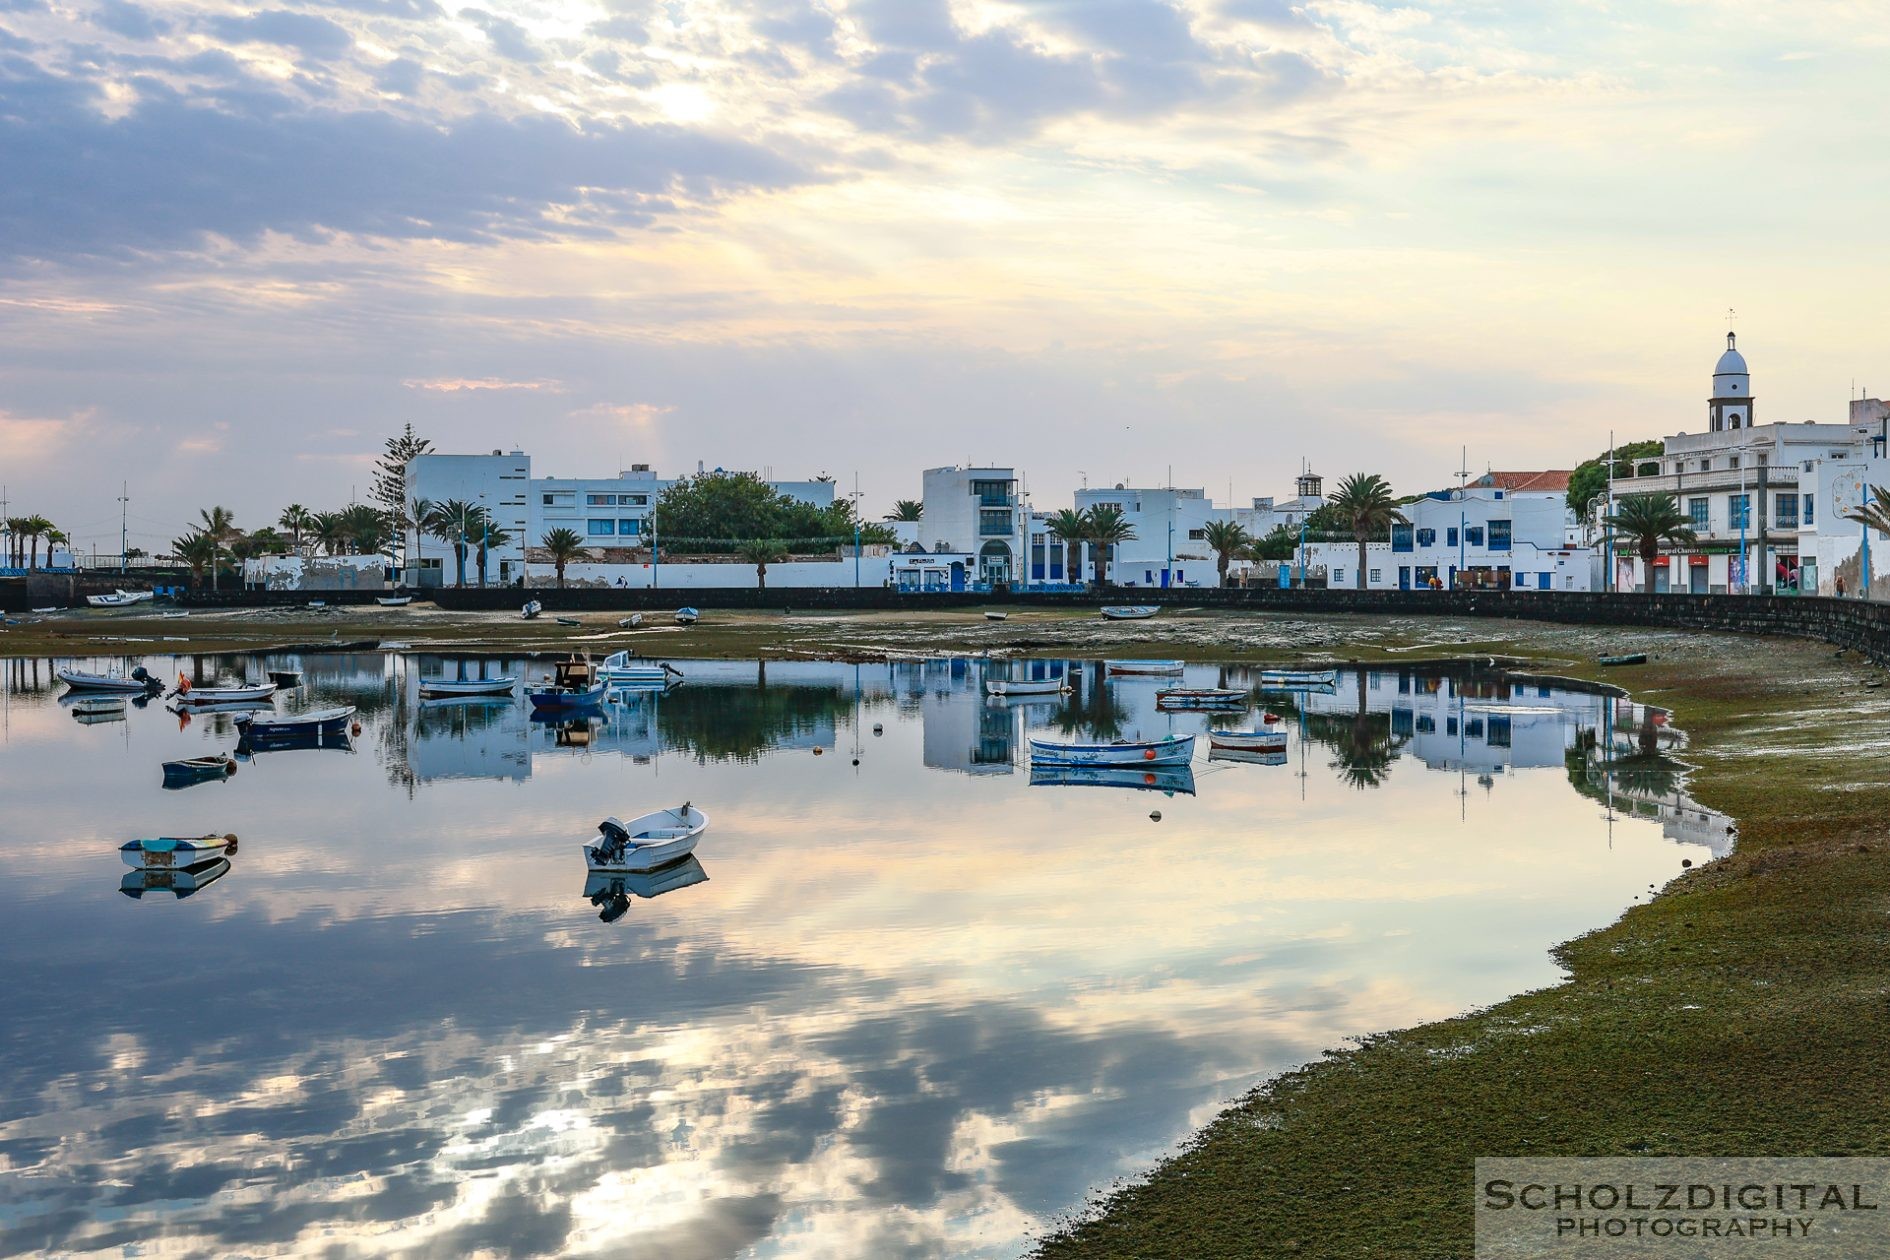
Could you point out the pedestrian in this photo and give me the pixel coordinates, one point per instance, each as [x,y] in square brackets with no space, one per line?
[1840,588]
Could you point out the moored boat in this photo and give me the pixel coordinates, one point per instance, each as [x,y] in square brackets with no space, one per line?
[1166,779]
[646,843]
[1169,750]
[179,882]
[627,669]
[129,684]
[199,697]
[1026,687]
[175,851]
[1247,757]
[1267,739]
[556,697]
[193,770]
[687,616]
[440,688]
[1200,697]
[601,887]
[89,710]
[1129,612]
[1299,677]
[1142,667]
[320,722]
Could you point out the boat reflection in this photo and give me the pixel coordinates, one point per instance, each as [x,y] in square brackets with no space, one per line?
[1247,758]
[611,891]
[249,745]
[179,882]
[1168,780]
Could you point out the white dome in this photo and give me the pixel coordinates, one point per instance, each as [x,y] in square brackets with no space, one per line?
[1732,363]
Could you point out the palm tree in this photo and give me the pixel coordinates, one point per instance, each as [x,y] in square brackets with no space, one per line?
[364,528]
[1646,521]
[219,525]
[1228,540]
[762,552]
[564,546]
[295,518]
[198,550]
[1874,514]
[490,537]
[37,527]
[455,521]
[1365,503]
[1106,526]
[905,510]
[1070,527]
[16,534]
[417,513]
[328,532]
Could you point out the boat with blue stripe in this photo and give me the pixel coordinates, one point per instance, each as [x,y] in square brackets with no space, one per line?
[1170,750]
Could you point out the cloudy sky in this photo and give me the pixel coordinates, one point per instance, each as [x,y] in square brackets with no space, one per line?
[240,244]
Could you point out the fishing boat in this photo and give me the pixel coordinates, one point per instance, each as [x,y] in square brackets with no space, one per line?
[194,770]
[1199,697]
[118,599]
[393,601]
[1266,740]
[130,684]
[627,669]
[687,616]
[201,697]
[631,622]
[1026,687]
[1247,758]
[175,851]
[532,609]
[1299,677]
[1142,667]
[554,697]
[1166,779]
[1625,658]
[91,710]
[178,882]
[644,844]
[322,723]
[997,616]
[1129,612]
[441,688]
[1169,750]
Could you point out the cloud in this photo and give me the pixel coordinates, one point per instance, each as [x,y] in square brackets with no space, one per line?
[635,415]
[465,385]
[310,35]
[32,437]
[508,38]
[121,17]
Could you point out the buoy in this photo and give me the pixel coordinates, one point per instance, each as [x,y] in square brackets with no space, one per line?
[878,729]
[817,750]
[229,765]
[355,729]
[1148,754]
[1155,815]
[1148,778]
[856,761]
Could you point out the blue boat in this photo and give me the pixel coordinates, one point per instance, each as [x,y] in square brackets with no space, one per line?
[320,724]
[555,697]
[1171,750]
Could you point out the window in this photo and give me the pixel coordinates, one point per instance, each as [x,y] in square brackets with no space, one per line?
[1401,538]
[1733,462]
[1427,538]
[1697,510]
[1499,730]
[992,493]
[550,499]
[1785,511]
[1811,515]
[1450,536]
[633,500]
[1738,511]
[1706,465]
[1499,535]
[629,528]
[1373,577]
[1473,535]
[1197,535]
[560,500]
[994,522]
[600,500]
[600,529]
[1338,577]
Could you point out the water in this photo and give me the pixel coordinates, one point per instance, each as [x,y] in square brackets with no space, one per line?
[913,1006]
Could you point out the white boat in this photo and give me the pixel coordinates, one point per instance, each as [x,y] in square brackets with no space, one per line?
[1299,677]
[174,851]
[532,609]
[130,684]
[393,601]
[1026,687]
[224,706]
[194,770]
[1199,697]
[626,669]
[92,705]
[179,882]
[1129,612]
[996,616]
[1142,667]
[435,688]
[1171,750]
[631,622]
[1265,740]
[118,599]
[43,611]
[318,603]
[686,616]
[645,843]
[197,697]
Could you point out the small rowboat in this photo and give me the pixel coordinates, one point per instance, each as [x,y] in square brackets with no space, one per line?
[555,697]
[687,616]
[322,722]
[1142,667]
[1172,750]
[567,621]
[1026,687]
[119,599]
[434,688]
[532,609]
[1199,697]
[393,601]
[646,843]
[631,622]
[194,770]
[996,616]
[1129,612]
[1299,677]
[137,681]
[200,697]
[178,882]
[172,851]
[1625,658]
[1168,779]
[626,669]
[1266,740]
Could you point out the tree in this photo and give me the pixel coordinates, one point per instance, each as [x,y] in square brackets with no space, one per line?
[388,491]
[1366,505]
[906,510]
[1106,526]
[719,511]
[1070,527]
[490,536]
[1590,478]
[1876,513]
[16,535]
[297,520]
[219,525]
[1281,543]
[36,527]
[455,521]
[364,529]
[564,546]
[762,552]
[198,550]
[1645,521]
[1226,539]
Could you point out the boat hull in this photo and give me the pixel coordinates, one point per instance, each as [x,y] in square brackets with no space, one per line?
[195,770]
[79,681]
[328,722]
[1176,750]
[178,882]
[1247,758]
[1200,698]
[199,696]
[1248,741]
[393,601]
[1130,612]
[443,688]
[1142,667]
[173,852]
[656,840]
[568,697]
[1299,677]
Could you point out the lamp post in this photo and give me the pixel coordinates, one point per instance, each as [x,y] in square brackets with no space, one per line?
[1302,553]
[1863,585]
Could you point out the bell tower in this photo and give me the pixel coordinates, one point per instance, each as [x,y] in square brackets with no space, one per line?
[1730,407]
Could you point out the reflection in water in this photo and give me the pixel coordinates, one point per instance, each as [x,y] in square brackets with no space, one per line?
[923,1005]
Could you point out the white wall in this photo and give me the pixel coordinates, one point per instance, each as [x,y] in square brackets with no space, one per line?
[316,573]
[873,570]
[1537,543]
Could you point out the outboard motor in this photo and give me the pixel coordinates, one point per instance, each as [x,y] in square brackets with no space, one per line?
[616,840]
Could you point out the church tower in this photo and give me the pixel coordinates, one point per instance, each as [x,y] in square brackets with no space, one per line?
[1731,404]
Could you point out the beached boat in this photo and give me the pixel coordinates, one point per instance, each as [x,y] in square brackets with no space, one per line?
[997,616]
[442,688]
[531,609]
[644,844]
[1169,750]
[1299,677]
[1129,612]
[129,684]
[631,622]
[567,621]
[1200,697]
[393,601]
[321,722]
[201,697]
[1142,667]
[1026,687]
[1625,658]
[194,770]
[318,603]
[174,851]
[1166,779]
[1247,758]
[119,599]
[627,669]
[687,616]
[178,882]
[1266,739]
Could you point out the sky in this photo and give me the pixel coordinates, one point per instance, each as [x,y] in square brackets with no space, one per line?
[1140,241]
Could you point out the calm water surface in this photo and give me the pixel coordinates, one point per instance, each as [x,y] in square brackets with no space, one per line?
[913,1006]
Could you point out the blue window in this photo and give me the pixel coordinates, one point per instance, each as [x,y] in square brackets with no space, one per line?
[1811,516]
[1401,538]
[1473,535]
[1427,538]
[600,500]
[1786,511]
[1697,510]
[1450,536]
[1738,511]
[994,523]
[1499,535]
[1499,730]
[1401,721]
[599,529]
[630,528]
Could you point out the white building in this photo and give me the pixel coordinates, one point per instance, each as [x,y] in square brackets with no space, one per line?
[1169,546]
[1269,514]
[974,518]
[1831,546]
